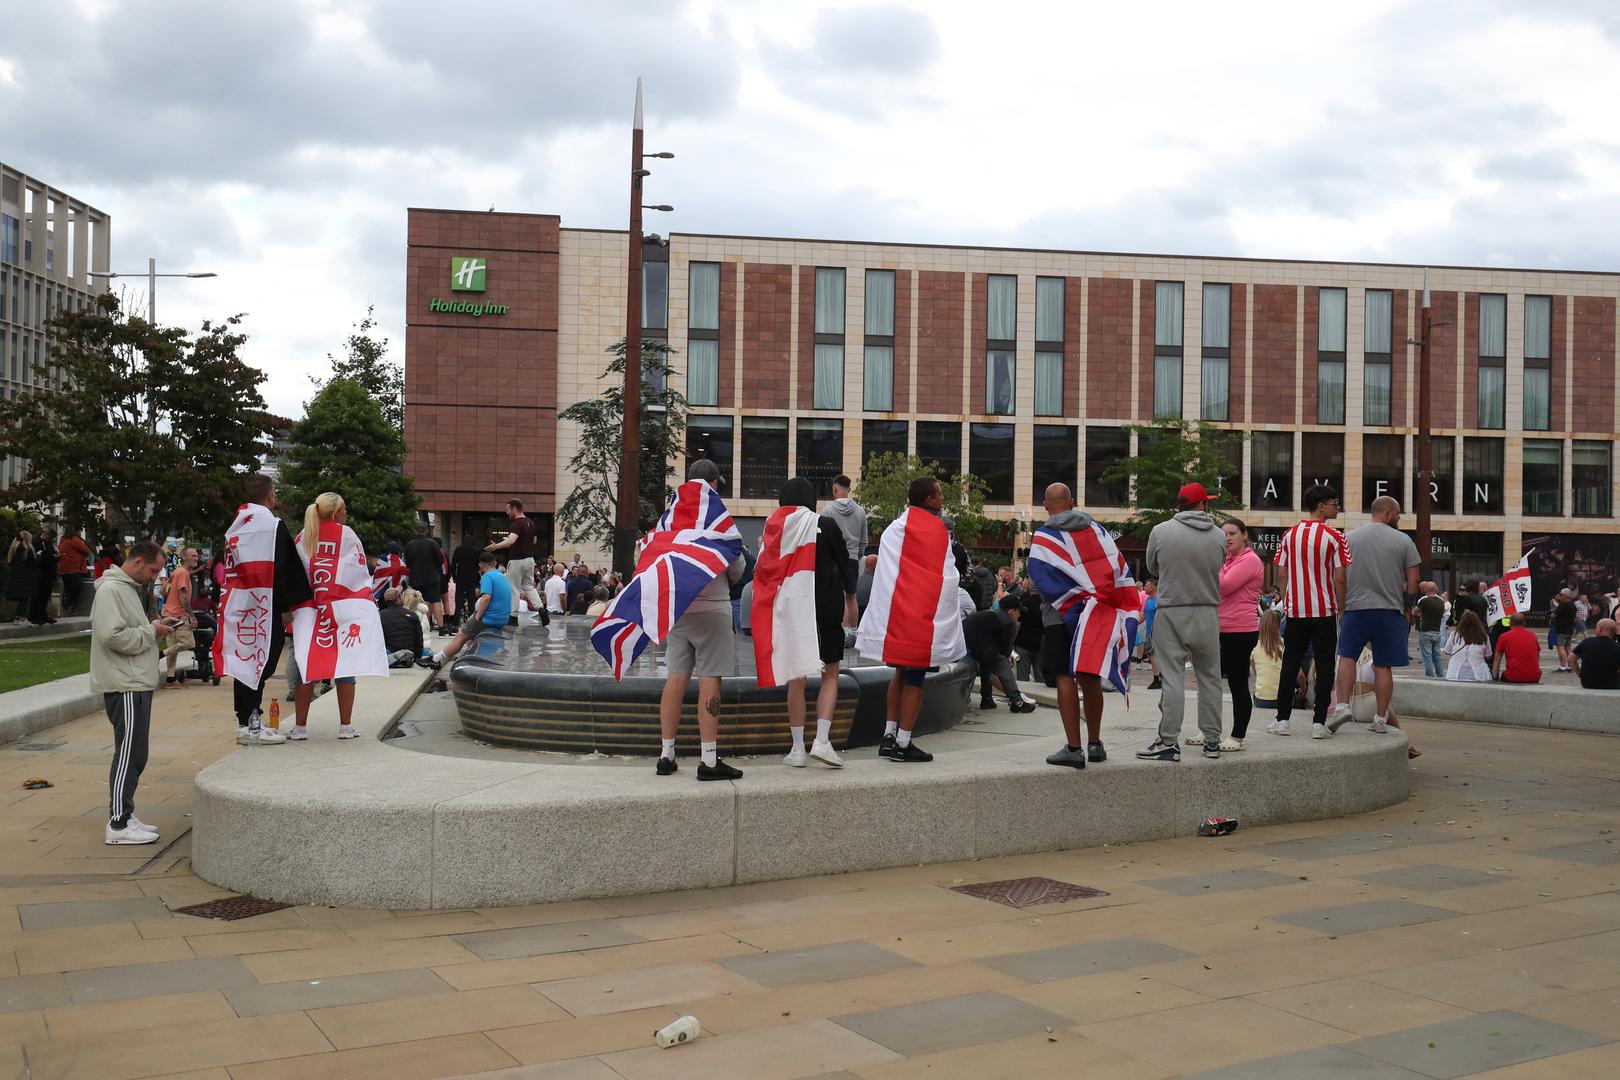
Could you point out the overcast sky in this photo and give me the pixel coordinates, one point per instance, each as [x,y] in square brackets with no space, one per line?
[279,143]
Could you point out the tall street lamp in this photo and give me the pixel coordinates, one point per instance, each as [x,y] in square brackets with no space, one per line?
[627,528]
[1424,496]
[151,284]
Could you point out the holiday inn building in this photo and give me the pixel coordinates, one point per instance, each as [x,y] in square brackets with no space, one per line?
[1023,367]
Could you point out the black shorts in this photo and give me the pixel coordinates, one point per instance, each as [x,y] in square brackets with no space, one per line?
[474,627]
[1057,642]
[830,640]
[852,574]
[432,589]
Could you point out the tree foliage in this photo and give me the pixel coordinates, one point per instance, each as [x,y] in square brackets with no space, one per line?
[1170,454]
[881,492]
[591,509]
[344,444]
[140,426]
[365,360]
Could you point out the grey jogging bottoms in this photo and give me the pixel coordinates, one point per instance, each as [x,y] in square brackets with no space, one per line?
[131,716]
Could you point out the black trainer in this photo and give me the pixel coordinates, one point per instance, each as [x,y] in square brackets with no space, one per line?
[1025,706]
[1161,750]
[1095,752]
[666,766]
[910,752]
[886,746]
[1212,748]
[1156,684]
[719,771]
[987,703]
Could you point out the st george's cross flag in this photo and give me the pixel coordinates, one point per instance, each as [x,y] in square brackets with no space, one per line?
[338,633]
[391,573]
[1081,573]
[247,605]
[783,615]
[1510,594]
[691,545]
[912,619]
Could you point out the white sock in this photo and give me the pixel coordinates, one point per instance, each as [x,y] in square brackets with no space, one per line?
[669,749]
[1382,719]
[891,727]
[823,729]
[711,754]
[798,737]
[902,739]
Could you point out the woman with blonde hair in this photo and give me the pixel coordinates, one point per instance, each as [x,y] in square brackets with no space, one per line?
[1266,659]
[22,574]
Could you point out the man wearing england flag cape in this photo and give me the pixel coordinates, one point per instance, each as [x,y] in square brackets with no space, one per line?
[912,621]
[797,614]
[1090,609]
[263,580]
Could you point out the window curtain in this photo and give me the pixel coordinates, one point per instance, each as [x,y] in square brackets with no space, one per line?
[703,300]
[1380,316]
[1492,395]
[999,383]
[1330,393]
[1003,320]
[829,301]
[1167,316]
[1217,317]
[655,295]
[703,373]
[1048,309]
[1330,320]
[1543,476]
[1215,388]
[1493,325]
[1589,463]
[1537,399]
[829,376]
[880,303]
[1048,384]
[1375,389]
[1166,386]
[879,365]
[1537,327]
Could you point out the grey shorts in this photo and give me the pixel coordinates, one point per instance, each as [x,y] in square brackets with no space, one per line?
[702,643]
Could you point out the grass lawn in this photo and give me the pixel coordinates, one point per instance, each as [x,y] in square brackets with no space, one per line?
[29,663]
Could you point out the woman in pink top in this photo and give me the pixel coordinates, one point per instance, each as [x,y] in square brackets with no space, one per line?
[1240,624]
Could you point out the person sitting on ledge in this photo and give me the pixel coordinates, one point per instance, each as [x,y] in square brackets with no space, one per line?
[1519,653]
[1470,650]
[493,608]
[1597,658]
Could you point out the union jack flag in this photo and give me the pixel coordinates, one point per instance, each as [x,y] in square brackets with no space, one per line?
[692,544]
[1081,573]
[390,572]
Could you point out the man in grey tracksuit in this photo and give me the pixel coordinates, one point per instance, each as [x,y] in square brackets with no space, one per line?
[1185,554]
[851,521]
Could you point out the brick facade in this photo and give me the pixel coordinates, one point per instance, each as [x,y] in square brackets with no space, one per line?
[767,334]
[1071,345]
[1108,349]
[728,334]
[940,322]
[1276,353]
[1593,352]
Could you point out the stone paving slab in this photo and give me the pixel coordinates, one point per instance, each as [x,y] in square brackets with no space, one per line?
[1359,918]
[263,999]
[143,980]
[1435,878]
[1474,1044]
[1322,1063]
[841,960]
[1225,881]
[1089,958]
[932,1026]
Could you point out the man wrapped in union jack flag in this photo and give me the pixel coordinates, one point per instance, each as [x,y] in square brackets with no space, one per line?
[1090,610]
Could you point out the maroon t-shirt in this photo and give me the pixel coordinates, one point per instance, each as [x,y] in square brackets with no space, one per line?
[523,546]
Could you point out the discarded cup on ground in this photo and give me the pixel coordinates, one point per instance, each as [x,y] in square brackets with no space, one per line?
[681,1030]
[1217,826]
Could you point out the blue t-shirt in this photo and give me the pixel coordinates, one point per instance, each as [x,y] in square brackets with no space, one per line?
[500,598]
[1149,609]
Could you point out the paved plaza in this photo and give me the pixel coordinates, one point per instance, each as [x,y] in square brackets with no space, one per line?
[1473,930]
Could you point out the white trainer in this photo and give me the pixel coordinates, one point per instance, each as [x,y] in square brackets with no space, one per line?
[1230,745]
[128,835]
[1340,717]
[1278,727]
[1321,731]
[823,751]
[797,759]
[346,731]
[297,733]
[138,825]
[1378,725]
[244,733]
[268,737]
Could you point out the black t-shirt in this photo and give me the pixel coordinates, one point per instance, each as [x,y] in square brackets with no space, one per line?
[523,546]
[424,559]
[988,632]
[1564,618]
[832,551]
[1600,663]
[464,563]
[1431,610]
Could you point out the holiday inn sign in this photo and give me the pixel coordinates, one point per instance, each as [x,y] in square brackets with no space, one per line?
[467,274]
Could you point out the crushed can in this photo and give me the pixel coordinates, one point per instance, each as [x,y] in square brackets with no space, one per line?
[1217,826]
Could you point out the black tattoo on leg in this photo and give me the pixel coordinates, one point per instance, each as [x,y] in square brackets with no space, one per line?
[713,705]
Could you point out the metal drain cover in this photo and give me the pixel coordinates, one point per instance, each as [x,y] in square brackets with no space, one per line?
[1029,891]
[232,908]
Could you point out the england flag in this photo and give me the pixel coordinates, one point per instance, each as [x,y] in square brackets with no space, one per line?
[248,603]
[1081,573]
[783,614]
[1512,593]
[338,633]
[912,619]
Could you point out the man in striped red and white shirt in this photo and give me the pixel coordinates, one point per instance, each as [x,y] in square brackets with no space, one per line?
[1313,556]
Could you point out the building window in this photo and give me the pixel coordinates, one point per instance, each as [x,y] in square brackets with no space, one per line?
[703,296]
[1492,361]
[1537,363]
[990,458]
[998,393]
[8,240]
[1216,382]
[1049,310]
[710,437]
[1056,458]
[829,387]
[1482,476]
[830,301]
[1322,460]
[1442,453]
[1589,462]
[703,334]
[878,357]
[702,372]
[882,437]
[1049,384]
[1377,369]
[1001,330]
[1375,393]
[829,352]
[940,444]
[1225,448]
[1330,319]
[1543,477]
[1167,313]
[654,295]
[764,456]
[1271,470]
[1105,446]
[1492,394]
[1383,467]
[1002,321]
[821,453]
[1049,346]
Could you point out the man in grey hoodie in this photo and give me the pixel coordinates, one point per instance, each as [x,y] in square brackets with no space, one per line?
[851,521]
[1185,554]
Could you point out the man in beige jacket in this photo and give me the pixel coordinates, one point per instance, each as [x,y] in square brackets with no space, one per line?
[124,670]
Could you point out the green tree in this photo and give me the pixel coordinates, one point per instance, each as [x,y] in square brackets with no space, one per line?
[591,509]
[365,360]
[881,492]
[138,425]
[1171,453]
[343,444]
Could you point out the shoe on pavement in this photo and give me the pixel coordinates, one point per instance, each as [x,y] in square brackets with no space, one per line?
[1161,750]
[1230,745]
[1024,706]
[823,751]
[140,826]
[1095,752]
[1156,684]
[718,771]
[987,703]
[1194,740]
[1378,726]
[268,737]
[243,733]
[346,731]
[1321,731]
[796,759]
[1212,748]
[886,746]
[1340,717]
[428,662]
[1278,727]
[298,733]
[666,766]
[128,835]
[1073,758]
[910,752]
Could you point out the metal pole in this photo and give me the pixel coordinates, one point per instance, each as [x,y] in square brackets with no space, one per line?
[628,528]
[1425,462]
[151,291]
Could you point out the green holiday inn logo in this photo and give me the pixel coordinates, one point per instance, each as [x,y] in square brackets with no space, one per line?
[467,273]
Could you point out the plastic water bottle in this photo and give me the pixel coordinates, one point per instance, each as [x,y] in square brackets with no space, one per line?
[275,715]
[682,1030]
[253,730]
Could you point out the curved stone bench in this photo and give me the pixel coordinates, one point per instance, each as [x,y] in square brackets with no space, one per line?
[1565,708]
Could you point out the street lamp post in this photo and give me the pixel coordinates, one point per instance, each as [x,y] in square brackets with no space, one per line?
[1425,461]
[151,284]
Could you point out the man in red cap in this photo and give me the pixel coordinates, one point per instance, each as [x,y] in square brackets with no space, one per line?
[1185,554]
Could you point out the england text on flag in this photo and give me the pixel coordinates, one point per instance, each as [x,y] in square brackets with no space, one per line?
[1081,573]
[1310,552]
[338,633]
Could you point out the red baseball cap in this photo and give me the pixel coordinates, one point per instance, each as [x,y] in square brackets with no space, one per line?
[1193,494]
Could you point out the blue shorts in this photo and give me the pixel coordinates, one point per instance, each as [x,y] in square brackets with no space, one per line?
[1384,630]
[911,676]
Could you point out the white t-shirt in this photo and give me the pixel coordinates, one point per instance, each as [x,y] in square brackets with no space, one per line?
[556,591]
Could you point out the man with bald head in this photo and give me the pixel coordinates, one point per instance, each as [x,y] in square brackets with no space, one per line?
[1597,658]
[1382,572]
